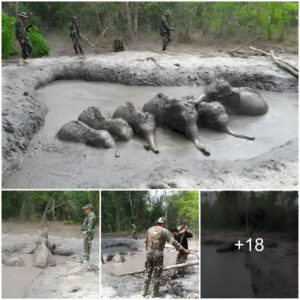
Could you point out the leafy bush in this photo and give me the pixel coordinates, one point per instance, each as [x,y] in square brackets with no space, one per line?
[39,45]
[8,29]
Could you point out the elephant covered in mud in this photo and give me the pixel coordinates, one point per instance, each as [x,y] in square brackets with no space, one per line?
[237,101]
[143,123]
[76,131]
[42,256]
[118,127]
[177,114]
[213,115]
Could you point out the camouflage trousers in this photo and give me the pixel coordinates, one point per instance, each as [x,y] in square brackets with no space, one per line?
[134,236]
[153,267]
[87,244]
[26,48]
[181,259]
[76,44]
[166,38]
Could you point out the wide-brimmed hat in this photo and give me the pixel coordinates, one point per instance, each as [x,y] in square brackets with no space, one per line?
[168,12]
[89,206]
[161,220]
[23,14]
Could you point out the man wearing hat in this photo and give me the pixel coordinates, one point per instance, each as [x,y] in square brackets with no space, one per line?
[22,36]
[88,231]
[165,29]
[75,34]
[156,238]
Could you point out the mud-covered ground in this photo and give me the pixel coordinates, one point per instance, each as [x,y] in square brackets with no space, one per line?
[68,279]
[272,273]
[34,158]
[123,255]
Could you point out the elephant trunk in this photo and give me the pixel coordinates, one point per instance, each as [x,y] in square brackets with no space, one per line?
[241,136]
[150,138]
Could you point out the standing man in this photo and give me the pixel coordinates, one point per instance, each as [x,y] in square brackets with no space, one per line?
[182,237]
[133,228]
[165,29]
[21,35]
[156,238]
[75,34]
[88,231]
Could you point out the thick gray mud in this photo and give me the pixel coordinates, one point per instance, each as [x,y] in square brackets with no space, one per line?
[50,163]
[68,279]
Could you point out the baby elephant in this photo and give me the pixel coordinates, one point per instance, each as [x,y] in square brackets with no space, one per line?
[177,114]
[143,123]
[238,101]
[76,131]
[118,128]
[213,115]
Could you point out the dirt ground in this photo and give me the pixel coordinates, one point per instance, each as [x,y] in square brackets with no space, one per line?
[70,278]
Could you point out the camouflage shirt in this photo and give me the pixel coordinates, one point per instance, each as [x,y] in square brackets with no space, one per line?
[156,238]
[74,30]
[20,30]
[89,223]
[165,25]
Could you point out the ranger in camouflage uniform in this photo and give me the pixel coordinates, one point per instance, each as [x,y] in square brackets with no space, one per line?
[88,231]
[21,35]
[155,241]
[165,29]
[75,34]
[181,235]
[133,228]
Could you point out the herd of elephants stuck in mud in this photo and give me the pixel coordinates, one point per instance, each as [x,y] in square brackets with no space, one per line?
[184,115]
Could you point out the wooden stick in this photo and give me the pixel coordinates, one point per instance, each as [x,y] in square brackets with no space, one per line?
[283,65]
[188,264]
[243,45]
[279,59]
[87,40]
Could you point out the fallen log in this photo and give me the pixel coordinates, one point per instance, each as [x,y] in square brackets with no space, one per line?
[231,52]
[188,264]
[280,62]
[283,65]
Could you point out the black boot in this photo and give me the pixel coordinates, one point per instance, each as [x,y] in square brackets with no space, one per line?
[80,49]
[76,51]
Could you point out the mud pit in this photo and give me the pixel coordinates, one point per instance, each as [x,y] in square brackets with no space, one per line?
[130,286]
[51,163]
[34,158]
[69,277]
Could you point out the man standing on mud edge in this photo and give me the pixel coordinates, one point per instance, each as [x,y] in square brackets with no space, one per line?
[88,231]
[165,29]
[75,34]
[156,238]
[21,35]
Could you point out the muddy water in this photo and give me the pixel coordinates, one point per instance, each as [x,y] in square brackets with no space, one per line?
[17,280]
[51,163]
[224,275]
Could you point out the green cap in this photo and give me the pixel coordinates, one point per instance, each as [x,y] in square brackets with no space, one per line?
[89,206]
[161,220]
[168,12]
[23,14]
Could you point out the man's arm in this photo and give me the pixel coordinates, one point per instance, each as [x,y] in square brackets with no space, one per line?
[166,24]
[146,241]
[175,244]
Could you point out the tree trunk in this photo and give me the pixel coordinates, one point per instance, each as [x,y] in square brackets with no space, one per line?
[129,21]
[136,19]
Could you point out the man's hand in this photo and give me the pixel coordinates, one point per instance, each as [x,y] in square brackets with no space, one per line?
[186,251]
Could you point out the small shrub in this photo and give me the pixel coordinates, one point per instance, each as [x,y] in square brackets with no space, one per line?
[8,32]
[39,45]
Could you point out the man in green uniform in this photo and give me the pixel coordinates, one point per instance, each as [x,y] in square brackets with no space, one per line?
[156,238]
[21,35]
[88,231]
[133,228]
[75,34]
[165,29]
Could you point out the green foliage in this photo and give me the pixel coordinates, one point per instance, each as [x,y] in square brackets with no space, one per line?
[30,205]
[147,207]
[40,46]
[266,211]
[8,30]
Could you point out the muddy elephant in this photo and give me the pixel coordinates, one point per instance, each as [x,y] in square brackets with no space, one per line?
[76,131]
[177,114]
[12,260]
[213,115]
[143,123]
[42,256]
[118,127]
[237,101]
